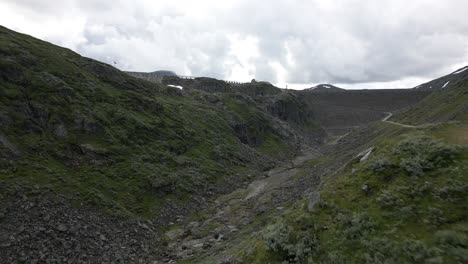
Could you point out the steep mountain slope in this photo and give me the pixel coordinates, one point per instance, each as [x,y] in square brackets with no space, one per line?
[445,104]
[445,81]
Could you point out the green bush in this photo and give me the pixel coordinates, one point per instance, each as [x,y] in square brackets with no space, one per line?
[388,199]
[418,154]
[292,248]
[416,250]
[382,165]
[450,238]
[276,237]
[355,225]
[454,191]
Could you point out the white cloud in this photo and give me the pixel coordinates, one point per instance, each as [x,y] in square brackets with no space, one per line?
[355,43]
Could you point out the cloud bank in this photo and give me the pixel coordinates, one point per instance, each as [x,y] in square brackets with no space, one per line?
[355,43]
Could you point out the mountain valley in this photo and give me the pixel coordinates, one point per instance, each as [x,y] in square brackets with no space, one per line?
[98,165]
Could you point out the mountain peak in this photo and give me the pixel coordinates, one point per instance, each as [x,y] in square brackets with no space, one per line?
[325,87]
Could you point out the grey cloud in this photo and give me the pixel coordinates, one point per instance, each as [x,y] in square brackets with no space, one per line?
[361,41]
[335,41]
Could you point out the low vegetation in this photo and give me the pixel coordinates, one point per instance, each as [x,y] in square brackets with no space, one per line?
[413,209]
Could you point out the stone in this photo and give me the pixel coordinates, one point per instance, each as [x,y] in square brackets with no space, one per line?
[364,155]
[20,229]
[206,246]
[3,237]
[173,234]
[60,131]
[62,228]
[199,245]
[5,245]
[312,200]
[219,237]
[365,188]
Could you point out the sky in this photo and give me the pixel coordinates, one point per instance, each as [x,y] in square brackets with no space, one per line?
[298,43]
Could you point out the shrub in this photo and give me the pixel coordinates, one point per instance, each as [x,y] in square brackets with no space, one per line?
[380,250]
[355,225]
[453,191]
[388,199]
[418,154]
[435,216]
[382,165]
[416,250]
[407,212]
[415,166]
[276,237]
[450,238]
[293,248]
[335,257]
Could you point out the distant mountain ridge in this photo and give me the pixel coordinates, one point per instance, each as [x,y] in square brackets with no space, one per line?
[446,81]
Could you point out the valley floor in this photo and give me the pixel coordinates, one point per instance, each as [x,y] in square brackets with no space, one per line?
[230,224]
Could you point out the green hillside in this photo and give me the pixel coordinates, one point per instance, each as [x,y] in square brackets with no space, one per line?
[407,203]
[443,105]
[81,127]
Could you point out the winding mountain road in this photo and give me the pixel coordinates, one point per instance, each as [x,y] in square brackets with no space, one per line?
[385,119]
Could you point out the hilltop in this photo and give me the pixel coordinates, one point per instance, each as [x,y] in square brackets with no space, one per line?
[325,88]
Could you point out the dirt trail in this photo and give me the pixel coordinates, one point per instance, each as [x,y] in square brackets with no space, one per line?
[385,119]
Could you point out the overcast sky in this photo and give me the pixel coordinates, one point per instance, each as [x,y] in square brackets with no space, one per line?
[352,43]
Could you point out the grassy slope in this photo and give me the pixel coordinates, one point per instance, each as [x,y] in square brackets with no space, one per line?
[77,126]
[446,104]
[406,217]
[415,209]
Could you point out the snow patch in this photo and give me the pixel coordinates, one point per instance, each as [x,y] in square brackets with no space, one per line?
[445,84]
[175,86]
[459,71]
[326,86]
